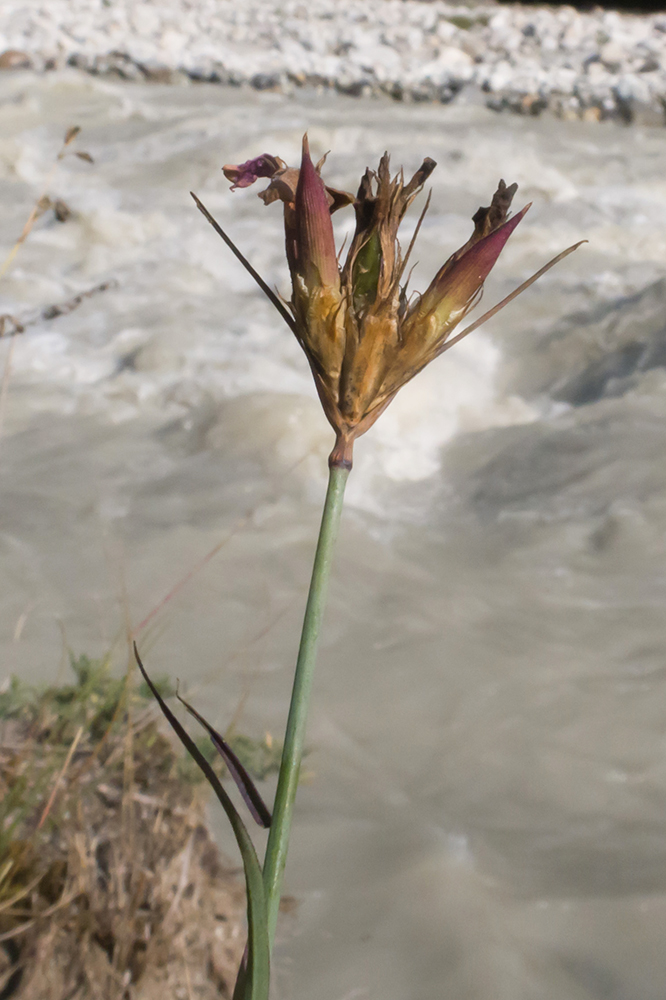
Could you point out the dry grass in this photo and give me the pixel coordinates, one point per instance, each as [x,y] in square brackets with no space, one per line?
[42,204]
[109,888]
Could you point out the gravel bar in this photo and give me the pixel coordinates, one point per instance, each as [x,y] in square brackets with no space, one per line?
[594,65]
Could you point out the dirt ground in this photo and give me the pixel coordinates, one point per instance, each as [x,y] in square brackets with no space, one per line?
[110,883]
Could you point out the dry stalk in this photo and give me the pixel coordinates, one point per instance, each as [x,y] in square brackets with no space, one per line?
[35,212]
[59,779]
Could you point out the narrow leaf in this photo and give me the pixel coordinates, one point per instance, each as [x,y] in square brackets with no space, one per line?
[266,289]
[416,233]
[509,298]
[241,979]
[258,951]
[244,782]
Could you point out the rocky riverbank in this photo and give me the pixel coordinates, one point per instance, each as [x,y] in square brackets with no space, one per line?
[595,65]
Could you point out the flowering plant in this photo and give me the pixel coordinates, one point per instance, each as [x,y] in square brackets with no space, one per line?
[364,338]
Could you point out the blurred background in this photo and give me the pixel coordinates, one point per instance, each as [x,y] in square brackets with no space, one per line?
[484,805]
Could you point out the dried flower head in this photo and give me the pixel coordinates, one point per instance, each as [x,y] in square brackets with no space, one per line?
[362,336]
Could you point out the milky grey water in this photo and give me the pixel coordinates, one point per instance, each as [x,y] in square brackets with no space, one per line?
[484,814]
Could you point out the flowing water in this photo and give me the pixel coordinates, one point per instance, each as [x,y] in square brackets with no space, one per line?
[484,811]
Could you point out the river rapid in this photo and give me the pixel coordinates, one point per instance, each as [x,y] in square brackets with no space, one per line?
[484,807]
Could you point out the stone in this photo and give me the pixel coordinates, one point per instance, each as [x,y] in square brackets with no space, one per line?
[15,59]
[157,72]
[524,57]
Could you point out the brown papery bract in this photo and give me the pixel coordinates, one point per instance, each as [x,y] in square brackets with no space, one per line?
[362,339]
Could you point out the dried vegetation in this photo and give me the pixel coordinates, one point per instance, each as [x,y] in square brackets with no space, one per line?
[110,883]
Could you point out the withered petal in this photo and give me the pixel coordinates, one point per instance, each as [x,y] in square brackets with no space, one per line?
[420,177]
[245,174]
[338,199]
[282,187]
[488,219]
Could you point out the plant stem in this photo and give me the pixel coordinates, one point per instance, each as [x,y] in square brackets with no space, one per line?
[278,839]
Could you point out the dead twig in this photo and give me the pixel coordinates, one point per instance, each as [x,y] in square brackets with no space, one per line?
[26,890]
[10,325]
[58,781]
[37,210]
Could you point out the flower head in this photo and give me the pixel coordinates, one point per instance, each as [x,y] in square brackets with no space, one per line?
[362,336]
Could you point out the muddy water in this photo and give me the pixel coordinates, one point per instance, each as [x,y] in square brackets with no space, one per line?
[484,811]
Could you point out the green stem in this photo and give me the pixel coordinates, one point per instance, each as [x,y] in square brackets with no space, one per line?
[278,838]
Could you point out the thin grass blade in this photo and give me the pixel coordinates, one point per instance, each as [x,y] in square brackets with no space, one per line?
[246,786]
[257,945]
[509,298]
[241,979]
[414,236]
[266,289]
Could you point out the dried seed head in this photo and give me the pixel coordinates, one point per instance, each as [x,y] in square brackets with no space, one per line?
[360,337]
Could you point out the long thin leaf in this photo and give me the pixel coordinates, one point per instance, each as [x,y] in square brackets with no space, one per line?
[241,979]
[266,289]
[258,951]
[244,783]
[509,298]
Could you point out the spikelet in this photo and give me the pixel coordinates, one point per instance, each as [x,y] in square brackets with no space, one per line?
[362,339]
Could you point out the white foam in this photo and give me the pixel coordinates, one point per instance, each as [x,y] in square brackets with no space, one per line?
[456,392]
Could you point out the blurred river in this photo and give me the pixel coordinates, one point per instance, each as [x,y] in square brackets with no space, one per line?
[484,816]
